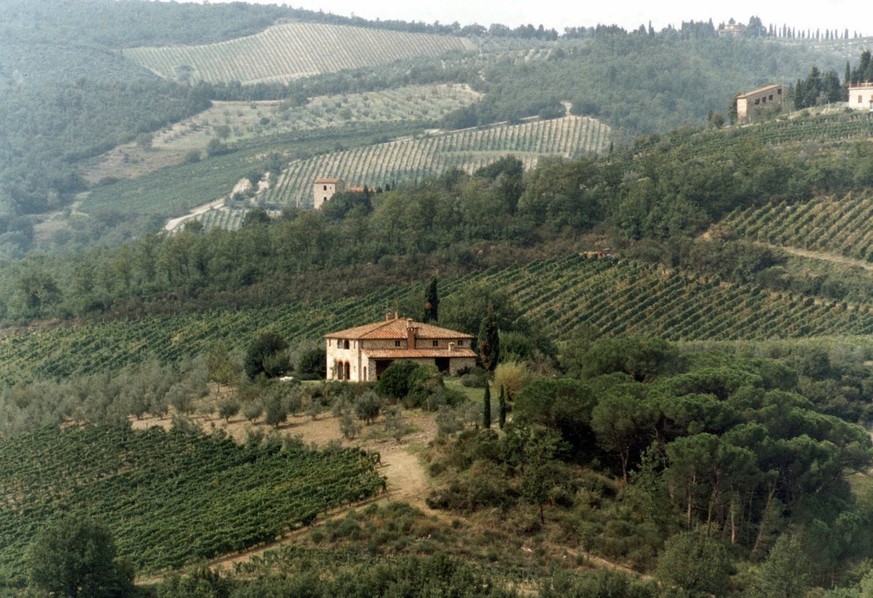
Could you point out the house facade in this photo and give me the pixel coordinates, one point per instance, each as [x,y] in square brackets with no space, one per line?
[748,103]
[325,188]
[861,96]
[361,354]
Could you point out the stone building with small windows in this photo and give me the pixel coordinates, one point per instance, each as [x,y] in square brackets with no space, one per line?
[361,354]
[861,96]
[766,97]
[325,188]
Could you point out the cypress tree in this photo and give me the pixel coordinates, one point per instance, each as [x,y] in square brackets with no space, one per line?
[431,302]
[489,340]
[486,407]
[501,408]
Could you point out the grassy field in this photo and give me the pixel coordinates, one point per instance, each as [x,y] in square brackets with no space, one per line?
[292,50]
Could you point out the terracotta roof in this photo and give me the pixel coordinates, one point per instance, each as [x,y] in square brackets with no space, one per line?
[327,180]
[418,353]
[396,329]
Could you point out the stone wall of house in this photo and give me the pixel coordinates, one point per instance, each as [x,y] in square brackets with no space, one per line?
[748,103]
[861,97]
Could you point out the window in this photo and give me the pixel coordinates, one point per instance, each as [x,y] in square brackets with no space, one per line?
[345,344]
[771,97]
[779,92]
[396,343]
[325,187]
[757,102]
[436,343]
[460,343]
[860,99]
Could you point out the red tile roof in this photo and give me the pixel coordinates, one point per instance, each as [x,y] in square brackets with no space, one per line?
[396,329]
[418,353]
[326,180]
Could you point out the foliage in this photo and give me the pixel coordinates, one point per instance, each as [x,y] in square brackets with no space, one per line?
[396,380]
[489,340]
[368,406]
[312,364]
[511,377]
[74,556]
[266,355]
[486,408]
[695,562]
[431,302]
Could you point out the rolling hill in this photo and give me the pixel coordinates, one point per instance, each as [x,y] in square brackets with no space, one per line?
[292,50]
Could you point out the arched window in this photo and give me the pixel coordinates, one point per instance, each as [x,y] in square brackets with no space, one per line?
[340,370]
[348,371]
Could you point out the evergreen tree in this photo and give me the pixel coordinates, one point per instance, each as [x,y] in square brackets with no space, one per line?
[489,340]
[501,408]
[486,407]
[431,302]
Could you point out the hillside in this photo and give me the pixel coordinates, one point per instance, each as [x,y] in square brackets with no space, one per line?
[291,50]
[235,122]
[679,324]
[568,297]
[418,158]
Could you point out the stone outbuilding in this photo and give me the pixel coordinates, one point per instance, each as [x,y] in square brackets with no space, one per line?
[361,354]
[861,96]
[770,96]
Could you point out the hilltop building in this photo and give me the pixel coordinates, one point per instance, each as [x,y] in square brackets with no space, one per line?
[751,102]
[861,96]
[325,188]
[361,354]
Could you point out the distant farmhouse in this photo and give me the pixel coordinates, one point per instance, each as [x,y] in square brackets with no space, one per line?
[861,96]
[363,353]
[325,188]
[753,101]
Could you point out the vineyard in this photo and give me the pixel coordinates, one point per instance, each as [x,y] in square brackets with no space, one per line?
[414,159]
[820,128]
[831,225]
[292,50]
[568,295]
[168,497]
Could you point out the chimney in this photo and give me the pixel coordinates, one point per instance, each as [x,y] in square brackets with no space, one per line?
[410,334]
[451,347]
[388,315]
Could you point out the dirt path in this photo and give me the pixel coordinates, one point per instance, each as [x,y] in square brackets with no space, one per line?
[408,480]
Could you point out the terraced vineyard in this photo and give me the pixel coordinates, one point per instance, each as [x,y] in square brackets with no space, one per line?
[292,50]
[607,297]
[841,226]
[415,159]
[168,497]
